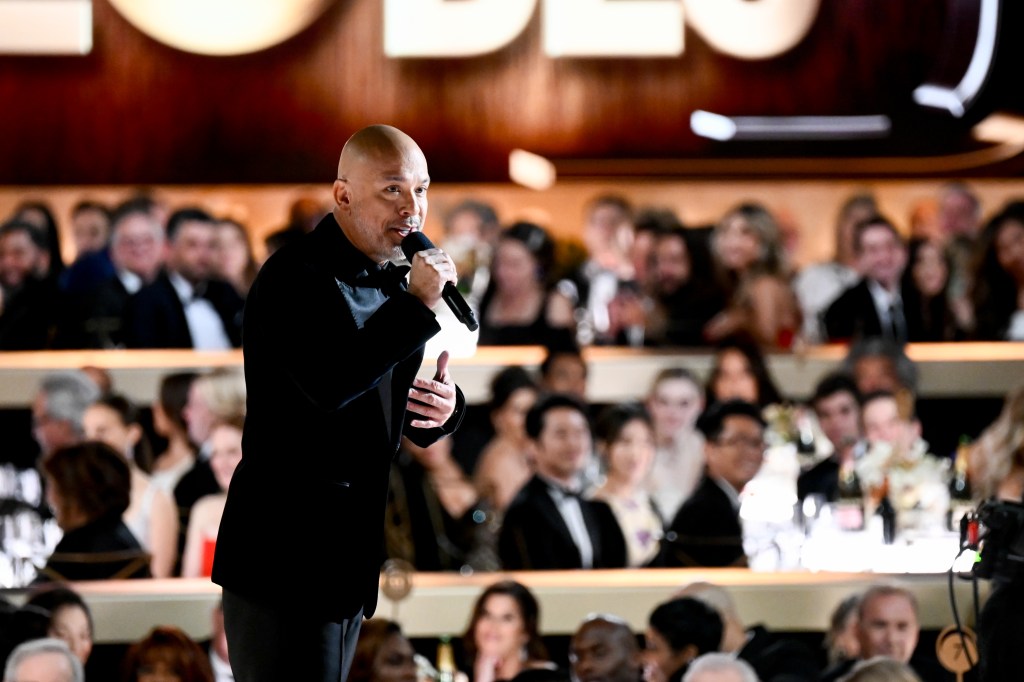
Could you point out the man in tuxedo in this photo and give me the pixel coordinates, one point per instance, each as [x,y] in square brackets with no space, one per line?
[95,314]
[873,306]
[333,341]
[27,296]
[548,525]
[836,403]
[706,530]
[185,307]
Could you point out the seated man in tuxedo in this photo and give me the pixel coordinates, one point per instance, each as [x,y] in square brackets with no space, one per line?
[706,530]
[873,306]
[548,526]
[185,307]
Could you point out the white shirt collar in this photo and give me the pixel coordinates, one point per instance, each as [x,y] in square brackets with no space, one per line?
[181,285]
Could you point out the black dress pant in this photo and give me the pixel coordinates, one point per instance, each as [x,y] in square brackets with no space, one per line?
[271,644]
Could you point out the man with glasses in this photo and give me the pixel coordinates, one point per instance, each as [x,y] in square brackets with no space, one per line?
[706,531]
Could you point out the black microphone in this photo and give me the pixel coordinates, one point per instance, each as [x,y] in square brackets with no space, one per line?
[416,242]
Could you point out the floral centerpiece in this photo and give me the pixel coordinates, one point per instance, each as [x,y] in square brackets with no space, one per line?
[917,482]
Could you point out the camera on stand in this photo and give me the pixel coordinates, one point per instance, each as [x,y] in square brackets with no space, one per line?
[996,531]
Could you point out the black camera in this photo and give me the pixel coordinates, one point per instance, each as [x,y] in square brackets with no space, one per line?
[999,537]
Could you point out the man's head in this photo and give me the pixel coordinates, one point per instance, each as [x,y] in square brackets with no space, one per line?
[889,419]
[192,236]
[888,623]
[959,211]
[836,403]
[854,210]
[879,365]
[24,254]
[381,191]
[881,253]
[564,370]
[604,649]
[43,660]
[58,408]
[560,429]
[679,631]
[670,259]
[137,243]
[734,441]
[718,667]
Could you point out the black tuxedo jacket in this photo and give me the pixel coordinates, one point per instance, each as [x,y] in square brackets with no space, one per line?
[327,384]
[155,316]
[28,316]
[534,535]
[853,316]
[706,531]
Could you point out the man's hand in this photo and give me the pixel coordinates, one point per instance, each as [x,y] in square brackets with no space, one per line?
[434,399]
[430,270]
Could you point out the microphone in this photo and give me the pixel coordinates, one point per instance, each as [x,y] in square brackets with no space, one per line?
[416,242]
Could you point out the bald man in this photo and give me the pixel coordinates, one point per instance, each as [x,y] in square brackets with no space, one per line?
[333,339]
[604,649]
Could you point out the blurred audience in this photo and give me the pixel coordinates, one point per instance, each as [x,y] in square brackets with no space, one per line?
[69,618]
[40,215]
[750,268]
[674,401]
[521,306]
[997,457]
[88,487]
[678,631]
[204,521]
[707,530]
[836,404]
[233,259]
[470,230]
[505,462]
[59,407]
[717,667]
[925,287]
[842,641]
[625,438]
[28,296]
[818,285]
[879,365]
[43,660]
[564,370]
[383,654]
[169,423]
[186,306]
[997,291]
[152,516]
[166,653]
[604,649]
[90,227]
[739,372]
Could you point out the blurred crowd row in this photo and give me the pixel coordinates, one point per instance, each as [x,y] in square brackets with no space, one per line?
[145,276]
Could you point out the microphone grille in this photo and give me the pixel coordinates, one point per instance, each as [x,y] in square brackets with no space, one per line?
[414,243]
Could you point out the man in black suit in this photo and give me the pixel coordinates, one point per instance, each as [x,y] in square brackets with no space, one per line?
[185,307]
[548,525]
[836,403]
[873,306]
[706,530]
[27,295]
[94,315]
[333,341]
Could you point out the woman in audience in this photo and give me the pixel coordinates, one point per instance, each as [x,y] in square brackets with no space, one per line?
[925,289]
[739,372]
[679,631]
[625,437]
[151,516]
[88,486]
[69,618]
[747,255]
[520,306]
[234,260]
[502,641]
[997,458]
[674,403]
[166,655]
[841,640]
[169,423]
[39,214]
[997,291]
[204,522]
[383,654]
[505,462]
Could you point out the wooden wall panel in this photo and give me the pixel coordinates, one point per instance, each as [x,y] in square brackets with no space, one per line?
[136,111]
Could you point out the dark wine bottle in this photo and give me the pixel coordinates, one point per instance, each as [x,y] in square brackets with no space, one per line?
[960,499]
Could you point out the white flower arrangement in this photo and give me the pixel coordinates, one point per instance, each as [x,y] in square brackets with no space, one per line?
[917,480]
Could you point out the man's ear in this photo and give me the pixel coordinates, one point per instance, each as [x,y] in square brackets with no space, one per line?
[341,192]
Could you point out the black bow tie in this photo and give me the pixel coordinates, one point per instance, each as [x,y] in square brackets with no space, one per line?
[387,278]
[564,491]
